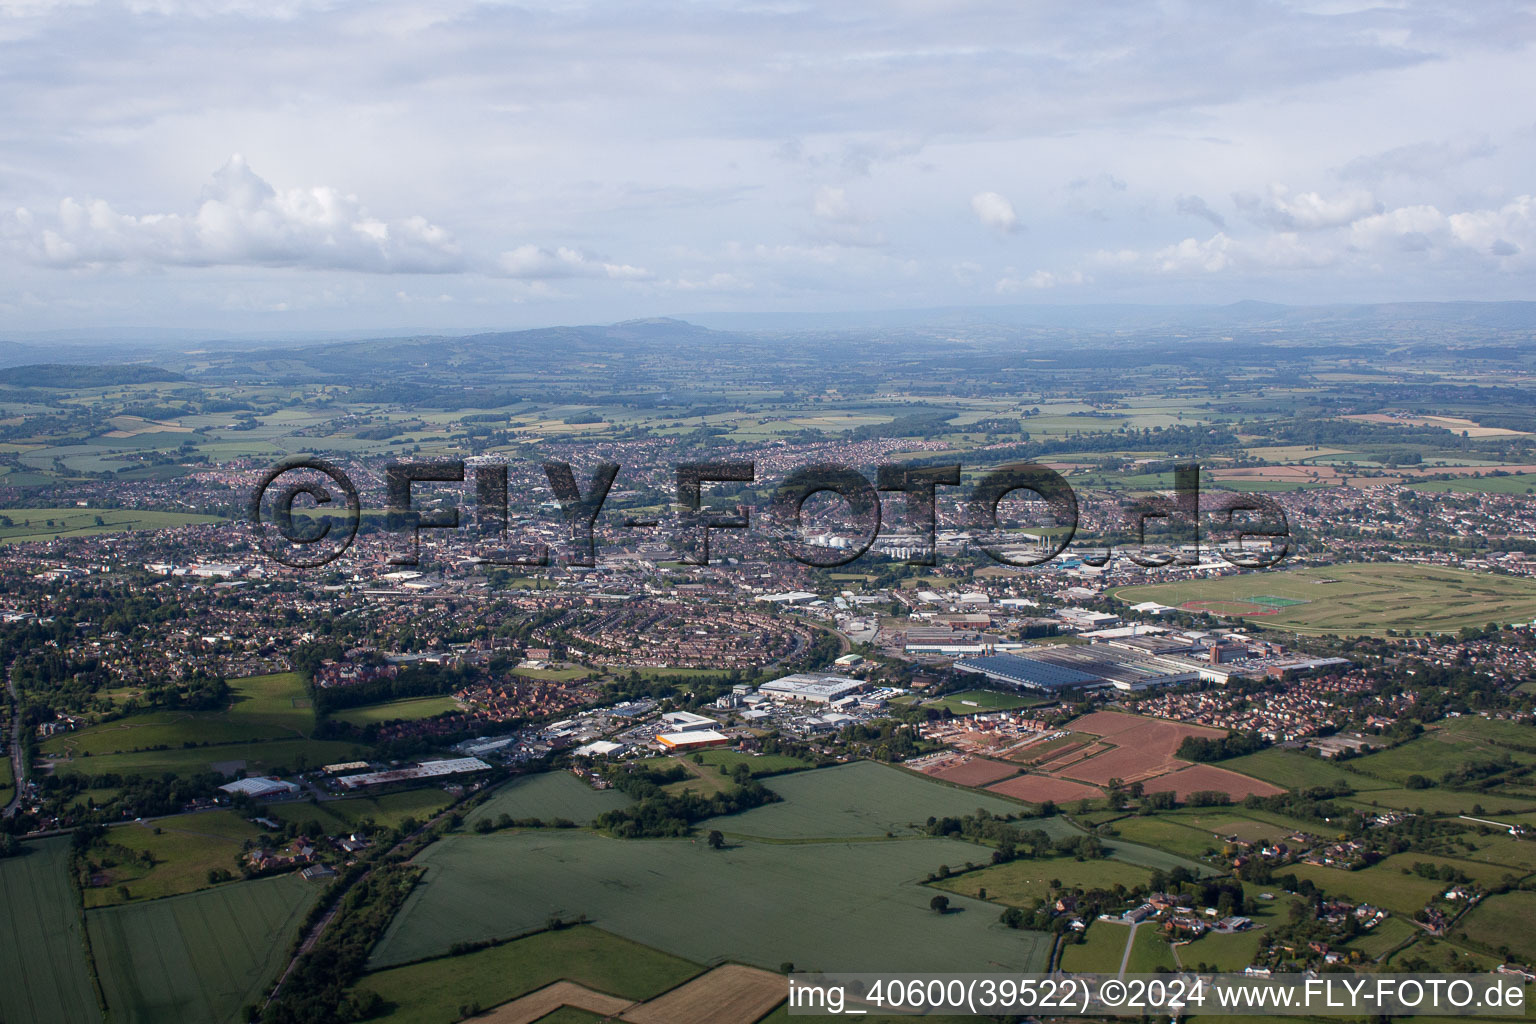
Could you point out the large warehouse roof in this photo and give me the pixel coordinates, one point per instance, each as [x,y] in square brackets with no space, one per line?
[1037,675]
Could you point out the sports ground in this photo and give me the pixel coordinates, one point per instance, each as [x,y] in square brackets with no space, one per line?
[1355,599]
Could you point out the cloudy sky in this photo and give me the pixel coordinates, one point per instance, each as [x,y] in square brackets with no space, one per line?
[293,165]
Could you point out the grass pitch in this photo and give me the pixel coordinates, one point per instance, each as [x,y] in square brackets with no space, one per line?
[832,906]
[1357,599]
[201,957]
[41,945]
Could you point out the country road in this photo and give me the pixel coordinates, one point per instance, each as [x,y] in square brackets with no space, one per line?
[18,763]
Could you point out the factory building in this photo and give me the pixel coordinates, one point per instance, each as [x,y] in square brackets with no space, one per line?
[811,688]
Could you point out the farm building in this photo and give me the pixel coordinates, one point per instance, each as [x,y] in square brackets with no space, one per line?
[260,789]
[697,739]
[811,688]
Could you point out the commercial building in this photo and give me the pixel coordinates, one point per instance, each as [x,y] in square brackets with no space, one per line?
[811,688]
[1082,666]
[696,739]
[686,721]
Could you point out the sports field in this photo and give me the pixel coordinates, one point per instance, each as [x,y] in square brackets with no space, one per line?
[201,957]
[432,992]
[833,905]
[547,796]
[41,945]
[1367,598]
[860,799]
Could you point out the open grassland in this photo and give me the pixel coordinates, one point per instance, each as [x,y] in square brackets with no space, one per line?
[431,992]
[184,848]
[1444,801]
[860,799]
[1356,599]
[1380,885]
[387,809]
[865,899]
[548,796]
[1150,952]
[1450,746]
[1167,835]
[1019,883]
[41,945]
[970,702]
[257,758]
[34,524]
[1513,483]
[1295,770]
[202,957]
[758,764]
[1504,920]
[408,710]
[1100,952]
[262,707]
[1385,937]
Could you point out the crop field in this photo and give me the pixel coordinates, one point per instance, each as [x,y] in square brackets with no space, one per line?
[866,898]
[1504,920]
[1039,788]
[388,809]
[184,847]
[858,799]
[1357,599]
[41,945]
[1209,778]
[432,991]
[547,796]
[202,957]
[1298,771]
[1019,882]
[408,710]
[34,524]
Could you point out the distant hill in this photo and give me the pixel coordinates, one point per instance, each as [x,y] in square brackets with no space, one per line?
[59,375]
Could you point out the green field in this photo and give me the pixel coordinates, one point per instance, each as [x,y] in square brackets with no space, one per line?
[1150,951]
[408,710]
[1166,834]
[547,796]
[1514,483]
[259,758]
[7,780]
[1504,920]
[1100,952]
[1448,746]
[41,945]
[862,799]
[1383,938]
[758,764]
[1019,883]
[263,707]
[1361,599]
[184,847]
[431,992]
[200,957]
[1443,801]
[387,810]
[970,702]
[32,524]
[846,906]
[1382,884]
[1295,770]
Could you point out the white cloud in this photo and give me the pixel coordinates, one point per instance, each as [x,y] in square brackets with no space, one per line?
[832,204]
[995,211]
[1041,280]
[241,221]
[534,262]
[1308,211]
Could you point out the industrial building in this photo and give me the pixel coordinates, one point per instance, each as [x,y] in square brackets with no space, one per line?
[424,770]
[1082,666]
[686,721]
[811,688]
[696,739]
[260,789]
